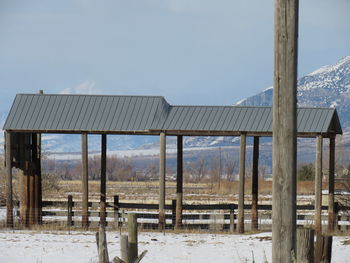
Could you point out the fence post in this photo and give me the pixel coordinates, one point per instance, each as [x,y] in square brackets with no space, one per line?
[336,214]
[305,245]
[116,210]
[102,245]
[70,211]
[132,231]
[173,213]
[232,219]
[124,248]
[323,251]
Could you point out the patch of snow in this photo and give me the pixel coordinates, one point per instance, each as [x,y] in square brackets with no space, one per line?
[330,68]
[240,102]
[34,246]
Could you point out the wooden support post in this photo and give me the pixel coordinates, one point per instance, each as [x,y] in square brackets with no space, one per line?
[240,226]
[38,174]
[318,184]
[232,219]
[38,168]
[255,184]
[162,170]
[331,210]
[132,231]
[323,250]
[31,193]
[9,191]
[305,245]
[102,245]
[70,211]
[85,184]
[336,214]
[103,179]
[173,213]
[124,248]
[284,131]
[179,182]
[37,184]
[116,210]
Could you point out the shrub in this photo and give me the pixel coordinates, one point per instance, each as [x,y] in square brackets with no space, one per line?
[306,172]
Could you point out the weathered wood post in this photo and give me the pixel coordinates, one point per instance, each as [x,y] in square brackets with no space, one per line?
[318,184]
[240,226]
[331,210]
[116,210]
[103,179]
[9,191]
[232,218]
[31,190]
[284,131]
[173,213]
[132,231]
[255,183]
[70,211]
[124,248]
[305,245]
[85,184]
[323,250]
[39,177]
[179,182]
[162,170]
[336,215]
[102,245]
[36,179]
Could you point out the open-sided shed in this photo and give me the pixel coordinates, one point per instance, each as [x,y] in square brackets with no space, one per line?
[34,114]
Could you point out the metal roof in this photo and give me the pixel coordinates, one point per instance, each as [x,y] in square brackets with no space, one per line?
[150,115]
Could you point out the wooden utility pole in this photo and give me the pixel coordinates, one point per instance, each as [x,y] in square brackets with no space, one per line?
[331,212]
[85,184]
[9,199]
[240,226]
[179,182]
[255,183]
[103,179]
[284,131]
[318,184]
[162,170]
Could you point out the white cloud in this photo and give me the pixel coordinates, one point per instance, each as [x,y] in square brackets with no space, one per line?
[86,87]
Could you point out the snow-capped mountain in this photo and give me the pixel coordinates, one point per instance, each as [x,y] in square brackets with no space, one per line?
[328,86]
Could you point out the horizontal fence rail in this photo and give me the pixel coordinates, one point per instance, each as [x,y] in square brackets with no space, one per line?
[216,217]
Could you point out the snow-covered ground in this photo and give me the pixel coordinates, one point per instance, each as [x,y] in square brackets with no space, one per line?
[41,247]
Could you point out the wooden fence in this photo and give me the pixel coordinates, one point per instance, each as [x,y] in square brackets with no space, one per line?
[217,217]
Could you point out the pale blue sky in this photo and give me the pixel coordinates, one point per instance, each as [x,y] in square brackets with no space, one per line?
[190,51]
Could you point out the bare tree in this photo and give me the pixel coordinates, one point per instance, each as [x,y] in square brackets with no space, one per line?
[198,169]
[230,166]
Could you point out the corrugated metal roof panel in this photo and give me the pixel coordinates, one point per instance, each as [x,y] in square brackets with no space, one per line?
[97,113]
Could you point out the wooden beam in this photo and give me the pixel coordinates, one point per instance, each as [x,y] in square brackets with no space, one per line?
[318,184]
[103,179]
[38,180]
[31,175]
[162,171]
[85,184]
[331,212]
[9,190]
[284,130]
[240,226]
[255,184]
[179,182]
